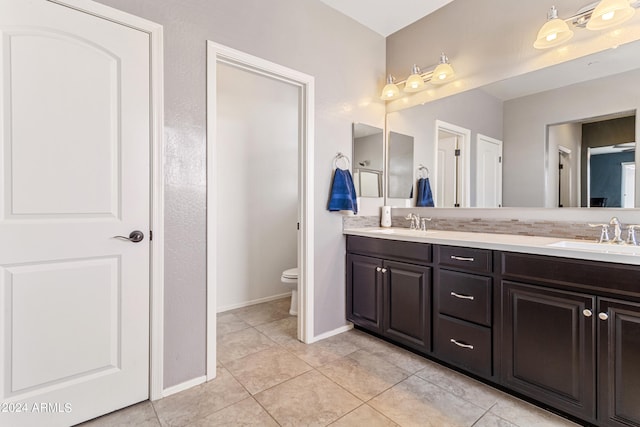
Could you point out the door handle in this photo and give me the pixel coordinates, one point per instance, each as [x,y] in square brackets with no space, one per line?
[135,237]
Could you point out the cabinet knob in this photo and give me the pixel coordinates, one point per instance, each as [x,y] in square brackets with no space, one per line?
[384,270]
[587,312]
[603,316]
[378,269]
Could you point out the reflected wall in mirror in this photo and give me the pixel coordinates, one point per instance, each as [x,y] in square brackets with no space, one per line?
[595,161]
[468,114]
[368,160]
[524,113]
[400,152]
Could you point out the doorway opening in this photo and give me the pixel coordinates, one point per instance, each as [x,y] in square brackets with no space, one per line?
[303,84]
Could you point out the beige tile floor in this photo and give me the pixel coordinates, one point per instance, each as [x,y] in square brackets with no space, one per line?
[268,378]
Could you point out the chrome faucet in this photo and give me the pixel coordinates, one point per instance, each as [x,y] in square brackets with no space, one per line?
[415,221]
[617,230]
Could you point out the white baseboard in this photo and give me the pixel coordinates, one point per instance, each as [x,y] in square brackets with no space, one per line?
[328,334]
[253,302]
[183,386]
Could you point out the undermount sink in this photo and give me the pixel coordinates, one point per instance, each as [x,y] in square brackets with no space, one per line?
[402,231]
[610,248]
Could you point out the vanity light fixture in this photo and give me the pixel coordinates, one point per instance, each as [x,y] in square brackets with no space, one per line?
[554,32]
[609,13]
[390,91]
[414,81]
[596,16]
[441,74]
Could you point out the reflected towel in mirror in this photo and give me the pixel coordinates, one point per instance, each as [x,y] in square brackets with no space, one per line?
[343,192]
[425,197]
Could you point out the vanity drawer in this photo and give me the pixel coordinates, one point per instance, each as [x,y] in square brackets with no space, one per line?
[464,344]
[465,296]
[471,259]
[394,249]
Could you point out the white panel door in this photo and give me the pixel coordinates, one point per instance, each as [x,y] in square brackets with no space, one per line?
[74,158]
[447,181]
[488,172]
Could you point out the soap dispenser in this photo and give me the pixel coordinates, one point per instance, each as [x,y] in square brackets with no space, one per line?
[385,218]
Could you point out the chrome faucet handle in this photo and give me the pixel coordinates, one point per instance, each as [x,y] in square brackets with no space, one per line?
[604,234]
[423,224]
[617,230]
[631,234]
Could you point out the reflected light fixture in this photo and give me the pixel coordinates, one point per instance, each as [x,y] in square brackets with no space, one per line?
[597,16]
[442,73]
[554,32]
[609,13]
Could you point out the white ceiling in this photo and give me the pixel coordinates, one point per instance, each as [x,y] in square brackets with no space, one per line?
[386,17]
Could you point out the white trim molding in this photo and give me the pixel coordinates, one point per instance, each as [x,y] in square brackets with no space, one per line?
[217,53]
[184,386]
[156,90]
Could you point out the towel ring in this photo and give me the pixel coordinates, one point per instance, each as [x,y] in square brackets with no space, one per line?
[344,158]
[423,171]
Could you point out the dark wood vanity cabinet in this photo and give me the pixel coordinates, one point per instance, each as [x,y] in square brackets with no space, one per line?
[386,294]
[463,314]
[568,341]
[619,362]
[548,349]
[364,291]
[562,332]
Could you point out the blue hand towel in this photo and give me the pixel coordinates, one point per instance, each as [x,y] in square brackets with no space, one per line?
[343,192]
[425,198]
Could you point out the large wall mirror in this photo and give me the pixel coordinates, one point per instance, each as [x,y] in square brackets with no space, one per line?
[368,160]
[563,136]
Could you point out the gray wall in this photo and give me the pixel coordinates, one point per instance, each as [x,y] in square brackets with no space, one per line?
[347,61]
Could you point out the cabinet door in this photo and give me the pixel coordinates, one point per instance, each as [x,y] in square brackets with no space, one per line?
[549,347]
[619,363]
[364,291]
[407,296]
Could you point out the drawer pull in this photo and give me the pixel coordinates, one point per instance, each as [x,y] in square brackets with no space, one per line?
[378,269]
[461,258]
[459,344]
[384,270]
[469,297]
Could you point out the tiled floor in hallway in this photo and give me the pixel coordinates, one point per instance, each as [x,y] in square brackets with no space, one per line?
[268,378]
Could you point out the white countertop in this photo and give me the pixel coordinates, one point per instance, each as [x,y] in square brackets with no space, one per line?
[552,246]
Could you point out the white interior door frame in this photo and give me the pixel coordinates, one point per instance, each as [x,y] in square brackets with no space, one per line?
[155,32]
[218,53]
[464,143]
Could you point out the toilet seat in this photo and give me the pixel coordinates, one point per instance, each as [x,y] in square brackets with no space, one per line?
[291,274]
[290,277]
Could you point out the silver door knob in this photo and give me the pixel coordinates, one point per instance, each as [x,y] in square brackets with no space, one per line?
[603,316]
[378,268]
[587,312]
[135,237]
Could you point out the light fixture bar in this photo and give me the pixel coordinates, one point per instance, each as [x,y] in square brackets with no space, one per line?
[581,17]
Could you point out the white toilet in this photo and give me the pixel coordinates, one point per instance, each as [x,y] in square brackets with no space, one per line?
[290,277]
